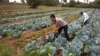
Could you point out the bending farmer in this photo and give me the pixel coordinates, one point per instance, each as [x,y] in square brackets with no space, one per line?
[61,25]
[84,18]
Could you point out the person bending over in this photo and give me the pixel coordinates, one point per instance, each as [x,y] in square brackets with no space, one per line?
[84,18]
[60,25]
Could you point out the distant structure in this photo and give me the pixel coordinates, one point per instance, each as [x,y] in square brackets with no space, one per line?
[63,1]
[14,1]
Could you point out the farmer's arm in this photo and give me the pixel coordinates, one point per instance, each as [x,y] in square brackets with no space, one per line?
[57,24]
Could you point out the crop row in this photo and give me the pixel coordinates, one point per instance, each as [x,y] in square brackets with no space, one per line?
[32,15]
[36,23]
[86,39]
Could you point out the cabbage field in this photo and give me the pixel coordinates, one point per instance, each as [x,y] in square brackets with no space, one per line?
[86,40]
[34,21]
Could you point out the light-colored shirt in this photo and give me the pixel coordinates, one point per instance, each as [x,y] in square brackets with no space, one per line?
[84,17]
[60,22]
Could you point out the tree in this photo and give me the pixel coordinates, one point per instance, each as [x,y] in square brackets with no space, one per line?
[51,2]
[23,1]
[72,3]
[65,0]
[78,2]
[97,2]
[33,3]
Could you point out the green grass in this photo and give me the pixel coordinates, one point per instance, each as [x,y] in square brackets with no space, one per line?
[6,9]
[6,50]
[12,6]
[10,10]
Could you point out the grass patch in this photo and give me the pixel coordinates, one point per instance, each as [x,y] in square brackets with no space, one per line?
[9,10]
[6,50]
[13,6]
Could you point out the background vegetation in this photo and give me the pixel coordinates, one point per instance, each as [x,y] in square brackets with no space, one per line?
[73,3]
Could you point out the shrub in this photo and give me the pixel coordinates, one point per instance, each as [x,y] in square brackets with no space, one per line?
[72,3]
[51,2]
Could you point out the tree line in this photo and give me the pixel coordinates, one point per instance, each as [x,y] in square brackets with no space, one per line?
[72,3]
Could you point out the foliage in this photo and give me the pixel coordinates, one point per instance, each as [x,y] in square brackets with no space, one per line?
[71,48]
[51,2]
[97,2]
[23,1]
[38,21]
[78,2]
[33,3]
[45,51]
[72,3]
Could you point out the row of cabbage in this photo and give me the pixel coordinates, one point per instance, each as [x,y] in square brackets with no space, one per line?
[37,23]
[34,15]
[18,28]
[88,35]
[31,16]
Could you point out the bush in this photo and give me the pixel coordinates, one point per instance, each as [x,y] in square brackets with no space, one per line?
[51,2]
[65,5]
[72,3]
[33,3]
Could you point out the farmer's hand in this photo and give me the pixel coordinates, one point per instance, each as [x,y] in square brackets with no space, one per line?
[56,32]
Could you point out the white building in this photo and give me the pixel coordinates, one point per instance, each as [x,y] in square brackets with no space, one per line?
[83,1]
[63,1]
[14,1]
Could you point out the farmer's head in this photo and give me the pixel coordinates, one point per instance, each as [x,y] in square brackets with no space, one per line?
[81,13]
[52,17]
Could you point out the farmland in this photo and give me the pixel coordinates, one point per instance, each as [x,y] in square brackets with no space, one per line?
[86,39]
[26,31]
[33,22]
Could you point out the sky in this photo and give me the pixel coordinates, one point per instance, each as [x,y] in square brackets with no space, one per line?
[19,1]
[14,0]
[83,0]
[67,0]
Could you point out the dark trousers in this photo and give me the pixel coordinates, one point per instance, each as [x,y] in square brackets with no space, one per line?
[86,22]
[65,28]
